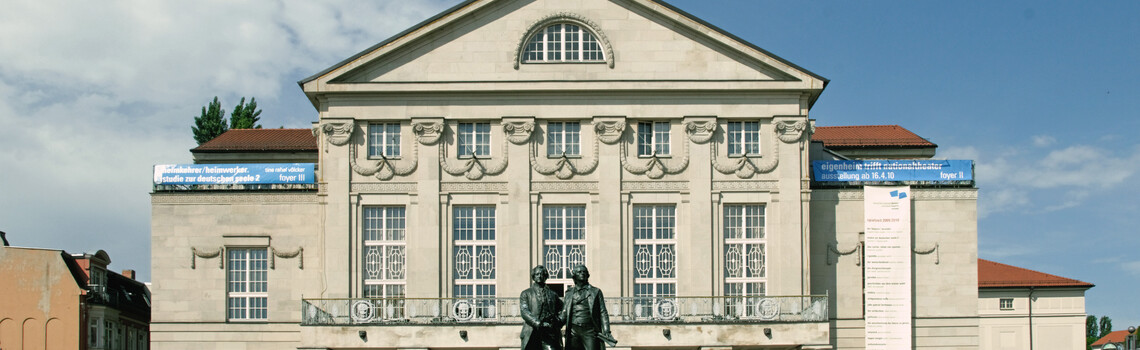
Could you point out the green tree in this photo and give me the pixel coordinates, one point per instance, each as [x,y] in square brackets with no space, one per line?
[1105,326]
[211,123]
[1092,332]
[245,116]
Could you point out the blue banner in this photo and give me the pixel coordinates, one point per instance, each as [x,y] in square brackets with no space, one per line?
[892,170]
[234,174]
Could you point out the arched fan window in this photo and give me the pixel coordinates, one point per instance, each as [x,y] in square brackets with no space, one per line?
[563,42]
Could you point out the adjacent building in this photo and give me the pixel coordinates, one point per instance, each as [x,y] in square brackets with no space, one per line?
[1025,309]
[54,300]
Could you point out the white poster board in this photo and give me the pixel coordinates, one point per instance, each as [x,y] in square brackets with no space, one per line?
[886,270]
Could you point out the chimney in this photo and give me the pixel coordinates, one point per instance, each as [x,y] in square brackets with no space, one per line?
[129,274]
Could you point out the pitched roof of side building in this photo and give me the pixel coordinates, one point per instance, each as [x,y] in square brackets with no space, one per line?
[869,136]
[1111,337]
[997,275]
[261,140]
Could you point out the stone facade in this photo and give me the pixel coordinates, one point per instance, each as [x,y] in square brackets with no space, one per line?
[464,70]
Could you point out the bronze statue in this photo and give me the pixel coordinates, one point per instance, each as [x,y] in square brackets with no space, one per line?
[585,315]
[540,307]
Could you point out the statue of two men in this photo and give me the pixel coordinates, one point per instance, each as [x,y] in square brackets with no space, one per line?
[583,311]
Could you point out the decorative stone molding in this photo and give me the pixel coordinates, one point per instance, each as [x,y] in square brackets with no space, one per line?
[474,168]
[833,248]
[654,186]
[384,187]
[299,253]
[195,254]
[746,166]
[563,186]
[791,131]
[385,168]
[428,130]
[338,133]
[934,249]
[609,131]
[580,20]
[751,186]
[474,187]
[564,168]
[700,130]
[518,130]
[655,167]
[227,198]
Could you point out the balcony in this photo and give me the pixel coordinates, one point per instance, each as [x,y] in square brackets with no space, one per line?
[505,311]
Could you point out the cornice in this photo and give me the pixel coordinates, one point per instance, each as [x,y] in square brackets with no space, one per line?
[233,198]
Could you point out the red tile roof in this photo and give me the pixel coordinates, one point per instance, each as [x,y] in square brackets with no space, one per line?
[1111,337]
[997,275]
[869,136]
[261,140]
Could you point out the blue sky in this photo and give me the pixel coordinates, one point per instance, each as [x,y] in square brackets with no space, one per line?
[1043,95]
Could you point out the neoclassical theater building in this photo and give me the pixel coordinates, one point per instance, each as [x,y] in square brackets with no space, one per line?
[671,158]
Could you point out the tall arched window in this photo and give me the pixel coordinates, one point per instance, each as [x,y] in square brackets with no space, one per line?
[563,42]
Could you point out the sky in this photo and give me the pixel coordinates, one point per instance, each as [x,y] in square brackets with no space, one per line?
[1042,95]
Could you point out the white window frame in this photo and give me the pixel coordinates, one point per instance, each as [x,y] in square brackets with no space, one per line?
[564,43]
[654,254]
[384,254]
[745,257]
[383,140]
[563,138]
[564,231]
[1005,304]
[242,268]
[473,140]
[743,138]
[653,138]
[475,256]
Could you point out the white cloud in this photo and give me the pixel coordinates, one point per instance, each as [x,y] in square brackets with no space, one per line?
[92,94]
[1043,140]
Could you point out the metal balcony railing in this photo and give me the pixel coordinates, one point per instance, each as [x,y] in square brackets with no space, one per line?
[707,310]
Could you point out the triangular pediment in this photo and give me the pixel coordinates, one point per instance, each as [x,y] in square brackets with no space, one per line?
[480,41]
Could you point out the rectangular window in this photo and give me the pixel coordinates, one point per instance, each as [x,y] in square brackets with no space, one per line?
[384,259]
[1005,303]
[562,139]
[248,293]
[384,140]
[654,255]
[473,229]
[652,138]
[744,138]
[564,240]
[745,265]
[474,140]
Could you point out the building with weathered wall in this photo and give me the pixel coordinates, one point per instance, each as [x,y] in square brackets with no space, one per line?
[50,299]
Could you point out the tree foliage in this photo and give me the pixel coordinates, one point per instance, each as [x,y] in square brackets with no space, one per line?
[245,116]
[210,123]
[1095,330]
[1105,326]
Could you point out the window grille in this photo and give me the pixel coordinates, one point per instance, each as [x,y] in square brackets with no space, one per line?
[652,138]
[655,255]
[474,255]
[384,140]
[248,284]
[564,240]
[745,265]
[743,138]
[384,252]
[563,42]
[474,140]
[562,138]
